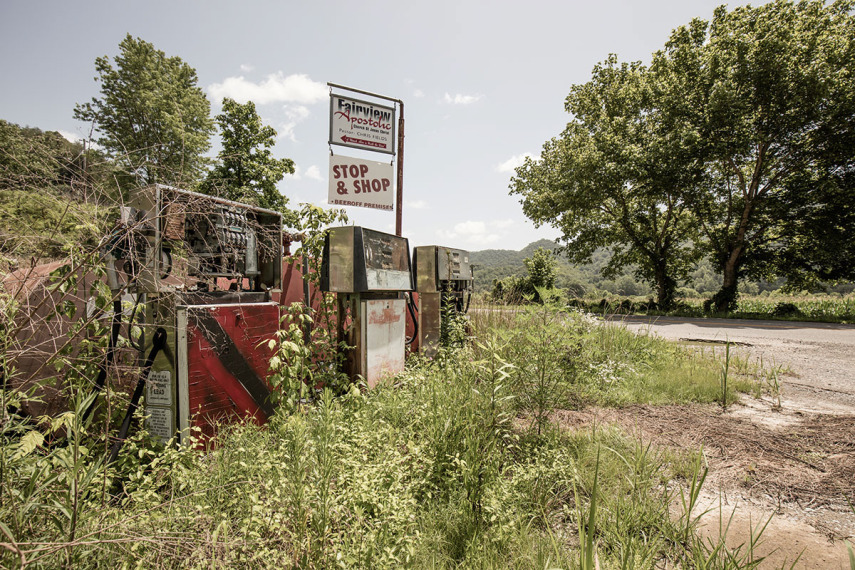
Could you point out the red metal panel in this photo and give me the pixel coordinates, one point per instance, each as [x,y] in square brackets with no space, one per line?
[218,337]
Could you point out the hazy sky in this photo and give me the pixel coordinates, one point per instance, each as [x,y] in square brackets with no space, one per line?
[483,83]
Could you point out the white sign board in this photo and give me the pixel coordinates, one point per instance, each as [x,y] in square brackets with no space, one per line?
[359,124]
[363,183]
[159,388]
[159,423]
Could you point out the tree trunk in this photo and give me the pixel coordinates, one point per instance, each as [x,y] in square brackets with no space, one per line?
[665,288]
[725,300]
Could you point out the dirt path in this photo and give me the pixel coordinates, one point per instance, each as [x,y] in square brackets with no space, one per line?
[798,467]
[795,464]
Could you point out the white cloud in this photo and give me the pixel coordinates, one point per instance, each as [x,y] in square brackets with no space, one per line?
[70,137]
[461,99]
[314,173]
[295,114]
[470,228]
[275,88]
[470,232]
[476,233]
[502,224]
[416,91]
[246,68]
[513,162]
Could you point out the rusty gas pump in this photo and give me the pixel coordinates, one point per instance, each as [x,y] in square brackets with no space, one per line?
[444,283]
[203,271]
[370,271]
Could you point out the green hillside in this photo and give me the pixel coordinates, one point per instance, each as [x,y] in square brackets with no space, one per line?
[492,264]
[53,195]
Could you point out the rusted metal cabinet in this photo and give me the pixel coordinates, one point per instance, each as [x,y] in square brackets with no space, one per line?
[443,279]
[223,357]
[369,270]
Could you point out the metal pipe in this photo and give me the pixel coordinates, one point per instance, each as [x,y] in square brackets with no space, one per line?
[399,206]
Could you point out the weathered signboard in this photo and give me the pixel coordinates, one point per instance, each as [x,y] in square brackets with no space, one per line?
[363,183]
[359,124]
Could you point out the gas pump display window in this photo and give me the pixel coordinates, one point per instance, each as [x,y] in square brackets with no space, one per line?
[359,260]
[387,261]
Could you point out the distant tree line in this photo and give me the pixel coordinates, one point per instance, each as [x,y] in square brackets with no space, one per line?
[504,276]
[734,145]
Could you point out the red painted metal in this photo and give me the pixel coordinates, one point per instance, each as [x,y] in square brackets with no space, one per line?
[215,394]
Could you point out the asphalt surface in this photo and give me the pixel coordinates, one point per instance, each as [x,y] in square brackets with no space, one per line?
[818,358]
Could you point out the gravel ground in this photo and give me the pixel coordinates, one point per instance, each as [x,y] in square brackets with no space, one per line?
[818,359]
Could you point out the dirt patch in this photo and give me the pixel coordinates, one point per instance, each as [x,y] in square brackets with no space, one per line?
[798,466]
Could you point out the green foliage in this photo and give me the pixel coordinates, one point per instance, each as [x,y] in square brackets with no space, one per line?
[32,158]
[292,370]
[54,194]
[541,269]
[308,354]
[775,306]
[541,361]
[734,143]
[541,277]
[767,92]
[614,179]
[246,170]
[152,116]
[434,471]
[42,224]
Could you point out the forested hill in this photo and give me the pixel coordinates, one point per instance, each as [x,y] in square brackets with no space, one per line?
[508,257]
[501,263]
[494,264]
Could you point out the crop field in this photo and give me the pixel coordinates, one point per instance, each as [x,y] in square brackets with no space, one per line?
[815,308]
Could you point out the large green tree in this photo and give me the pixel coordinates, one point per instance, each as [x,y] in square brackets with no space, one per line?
[152,116]
[769,93]
[615,179]
[246,170]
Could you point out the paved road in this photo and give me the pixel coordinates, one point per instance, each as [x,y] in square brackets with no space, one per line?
[821,356]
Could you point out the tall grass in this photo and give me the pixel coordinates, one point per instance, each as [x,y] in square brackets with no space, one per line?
[433,471]
[604,363]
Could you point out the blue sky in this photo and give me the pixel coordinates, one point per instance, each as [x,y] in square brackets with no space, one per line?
[483,83]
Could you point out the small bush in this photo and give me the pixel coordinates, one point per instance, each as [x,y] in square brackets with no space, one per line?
[783,309]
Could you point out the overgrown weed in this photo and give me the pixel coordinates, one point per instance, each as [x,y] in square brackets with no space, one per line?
[431,470]
[587,361]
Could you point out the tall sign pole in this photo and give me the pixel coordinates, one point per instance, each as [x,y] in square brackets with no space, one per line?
[372,119]
[399,207]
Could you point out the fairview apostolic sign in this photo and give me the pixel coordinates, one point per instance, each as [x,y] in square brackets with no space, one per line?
[363,183]
[359,124]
